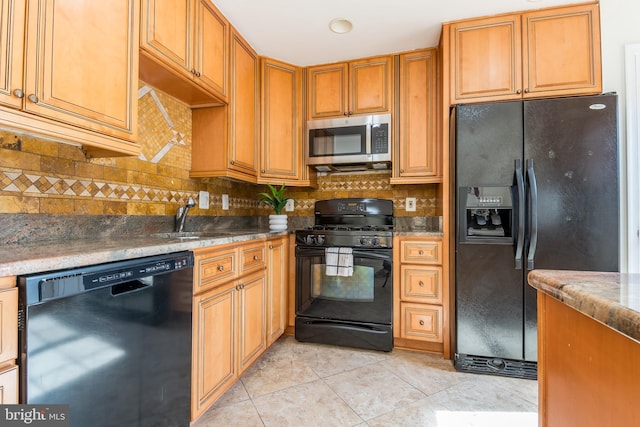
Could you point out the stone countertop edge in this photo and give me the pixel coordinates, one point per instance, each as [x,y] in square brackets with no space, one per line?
[418,233]
[612,299]
[40,257]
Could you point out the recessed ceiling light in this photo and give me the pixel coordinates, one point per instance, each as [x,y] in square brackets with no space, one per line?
[340,25]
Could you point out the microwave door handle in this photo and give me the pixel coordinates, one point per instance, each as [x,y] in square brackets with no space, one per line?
[368,139]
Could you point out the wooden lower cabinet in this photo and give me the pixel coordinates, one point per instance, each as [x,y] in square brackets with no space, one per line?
[420,300]
[588,373]
[277,286]
[8,340]
[239,309]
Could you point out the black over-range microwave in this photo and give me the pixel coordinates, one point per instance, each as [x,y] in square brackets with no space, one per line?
[349,143]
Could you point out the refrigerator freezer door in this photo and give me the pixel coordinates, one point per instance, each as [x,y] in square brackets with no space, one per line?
[572,143]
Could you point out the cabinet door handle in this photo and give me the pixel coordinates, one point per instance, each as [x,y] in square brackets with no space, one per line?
[421,284]
[18,93]
[221,267]
[421,323]
[33,98]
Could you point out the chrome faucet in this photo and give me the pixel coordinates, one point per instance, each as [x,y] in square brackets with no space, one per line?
[181,215]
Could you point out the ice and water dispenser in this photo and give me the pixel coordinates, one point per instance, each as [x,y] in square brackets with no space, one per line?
[485,214]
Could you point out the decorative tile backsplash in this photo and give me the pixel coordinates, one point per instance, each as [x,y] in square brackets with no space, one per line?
[38,176]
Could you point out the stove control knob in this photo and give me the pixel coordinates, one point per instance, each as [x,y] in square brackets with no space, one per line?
[375,241]
[320,239]
[364,241]
[310,240]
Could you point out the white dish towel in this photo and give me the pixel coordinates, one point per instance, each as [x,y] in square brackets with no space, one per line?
[339,262]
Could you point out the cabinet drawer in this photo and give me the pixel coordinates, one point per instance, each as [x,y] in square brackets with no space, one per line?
[421,251]
[421,322]
[9,325]
[215,268]
[421,284]
[252,257]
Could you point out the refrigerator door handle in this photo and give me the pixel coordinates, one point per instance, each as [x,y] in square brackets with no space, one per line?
[520,241]
[533,214]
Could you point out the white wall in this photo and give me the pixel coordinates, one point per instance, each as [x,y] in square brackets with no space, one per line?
[620,26]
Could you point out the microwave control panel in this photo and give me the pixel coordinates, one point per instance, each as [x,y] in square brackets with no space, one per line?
[380,138]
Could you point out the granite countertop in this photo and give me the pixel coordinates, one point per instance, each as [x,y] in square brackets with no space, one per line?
[610,298]
[47,256]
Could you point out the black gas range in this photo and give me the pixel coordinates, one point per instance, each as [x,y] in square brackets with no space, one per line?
[344,275]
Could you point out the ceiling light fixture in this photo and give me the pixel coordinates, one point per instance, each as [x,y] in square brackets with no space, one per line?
[340,25]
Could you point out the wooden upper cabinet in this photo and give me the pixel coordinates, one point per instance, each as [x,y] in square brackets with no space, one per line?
[562,52]
[244,108]
[281,156]
[82,68]
[74,79]
[12,15]
[184,50]
[486,59]
[417,151]
[549,52]
[225,139]
[354,88]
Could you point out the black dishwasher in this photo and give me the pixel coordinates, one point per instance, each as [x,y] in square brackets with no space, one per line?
[113,341]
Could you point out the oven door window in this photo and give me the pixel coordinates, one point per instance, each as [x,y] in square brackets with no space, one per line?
[345,141]
[365,296]
[357,287]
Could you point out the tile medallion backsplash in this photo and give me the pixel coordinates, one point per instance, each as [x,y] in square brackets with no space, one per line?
[38,176]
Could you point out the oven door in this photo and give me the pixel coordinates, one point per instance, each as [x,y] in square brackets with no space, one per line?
[353,310]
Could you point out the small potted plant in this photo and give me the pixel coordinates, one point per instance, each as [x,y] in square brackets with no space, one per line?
[277,200]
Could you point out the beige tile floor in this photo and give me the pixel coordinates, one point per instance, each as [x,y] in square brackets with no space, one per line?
[305,384]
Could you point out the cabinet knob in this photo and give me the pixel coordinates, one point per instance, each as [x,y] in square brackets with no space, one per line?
[346,114]
[421,284]
[421,323]
[232,162]
[33,98]
[526,90]
[193,71]
[518,91]
[401,170]
[221,268]
[18,93]
[198,74]
[262,171]
[350,113]
[270,246]
[256,257]
[420,252]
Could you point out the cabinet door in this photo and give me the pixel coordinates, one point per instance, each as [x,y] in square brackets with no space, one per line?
[281,148]
[244,114]
[277,270]
[9,386]
[327,90]
[8,325]
[486,62]
[561,52]
[371,86]
[166,30]
[12,15]
[211,48]
[417,151]
[81,68]
[214,336]
[252,326]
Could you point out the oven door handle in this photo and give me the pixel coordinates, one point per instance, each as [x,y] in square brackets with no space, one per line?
[382,253]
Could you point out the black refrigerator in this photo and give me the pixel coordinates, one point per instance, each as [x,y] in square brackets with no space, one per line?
[536,188]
